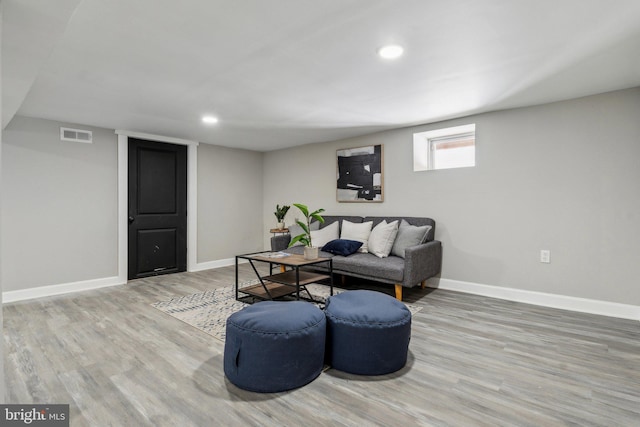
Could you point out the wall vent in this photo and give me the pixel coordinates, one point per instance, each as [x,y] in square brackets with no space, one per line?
[76,135]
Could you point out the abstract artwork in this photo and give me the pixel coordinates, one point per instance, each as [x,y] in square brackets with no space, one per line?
[360,174]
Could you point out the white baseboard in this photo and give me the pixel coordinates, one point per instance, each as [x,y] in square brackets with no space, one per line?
[584,305]
[65,288]
[86,285]
[216,264]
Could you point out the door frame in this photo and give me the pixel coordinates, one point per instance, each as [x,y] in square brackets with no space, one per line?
[123,197]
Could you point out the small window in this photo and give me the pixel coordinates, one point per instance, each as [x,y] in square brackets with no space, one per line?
[445,148]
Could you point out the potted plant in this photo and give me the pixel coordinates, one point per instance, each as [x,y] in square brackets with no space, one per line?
[280,214]
[310,252]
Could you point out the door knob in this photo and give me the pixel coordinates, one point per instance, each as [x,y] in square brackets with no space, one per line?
[131,219]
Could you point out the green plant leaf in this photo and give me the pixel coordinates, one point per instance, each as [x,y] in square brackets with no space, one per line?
[303,209]
[306,236]
[281,212]
[303,226]
[298,238]
[316,215]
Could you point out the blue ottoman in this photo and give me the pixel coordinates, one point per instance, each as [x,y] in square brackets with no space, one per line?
[367,332]
[274,346]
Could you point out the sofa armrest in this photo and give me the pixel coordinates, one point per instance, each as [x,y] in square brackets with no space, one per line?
[422,262]
[280,242]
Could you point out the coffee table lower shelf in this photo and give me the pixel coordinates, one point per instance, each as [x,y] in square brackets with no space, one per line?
[276,290]
[302,278]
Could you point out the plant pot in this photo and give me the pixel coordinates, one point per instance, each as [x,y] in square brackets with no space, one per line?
[280,226]
[310,252]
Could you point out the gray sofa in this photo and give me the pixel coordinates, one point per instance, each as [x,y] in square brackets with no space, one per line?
[420,262]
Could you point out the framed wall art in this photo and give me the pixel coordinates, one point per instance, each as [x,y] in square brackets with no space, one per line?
[360,174]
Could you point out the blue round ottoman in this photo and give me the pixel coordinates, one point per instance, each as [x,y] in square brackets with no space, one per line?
[274,346]
[367,332]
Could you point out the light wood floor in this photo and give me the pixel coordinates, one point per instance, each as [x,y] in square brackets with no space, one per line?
[473,361]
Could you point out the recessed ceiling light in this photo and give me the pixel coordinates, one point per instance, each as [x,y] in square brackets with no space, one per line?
[210,120]
[391,51]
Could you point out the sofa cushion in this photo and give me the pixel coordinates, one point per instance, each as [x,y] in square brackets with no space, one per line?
[342,247]
[330,219]
[369,265]
[323,236]
[357,232]
[382,237]
[409,235]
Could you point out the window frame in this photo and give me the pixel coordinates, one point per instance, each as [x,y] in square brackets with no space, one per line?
[425,143]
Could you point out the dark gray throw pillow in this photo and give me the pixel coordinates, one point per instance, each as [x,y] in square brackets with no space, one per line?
[408,235]
[342,247]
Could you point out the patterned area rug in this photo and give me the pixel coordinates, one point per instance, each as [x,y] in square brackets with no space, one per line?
[208,311]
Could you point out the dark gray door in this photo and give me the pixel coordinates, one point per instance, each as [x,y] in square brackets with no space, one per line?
[157,208]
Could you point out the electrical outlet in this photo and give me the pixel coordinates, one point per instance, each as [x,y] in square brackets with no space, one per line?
[545,256]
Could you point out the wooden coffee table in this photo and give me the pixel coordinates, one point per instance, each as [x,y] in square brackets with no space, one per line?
[288,282]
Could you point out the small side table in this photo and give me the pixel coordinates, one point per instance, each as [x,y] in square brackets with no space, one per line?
[276,231]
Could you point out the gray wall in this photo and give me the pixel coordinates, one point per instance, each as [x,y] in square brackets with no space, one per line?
[59,216]
[59,211]
[561,176]
[229,202]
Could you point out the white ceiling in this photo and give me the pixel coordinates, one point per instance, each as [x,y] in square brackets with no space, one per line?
[282,73]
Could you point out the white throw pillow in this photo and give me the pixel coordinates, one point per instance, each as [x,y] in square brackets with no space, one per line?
[382,237]
[321,237]
[356,231]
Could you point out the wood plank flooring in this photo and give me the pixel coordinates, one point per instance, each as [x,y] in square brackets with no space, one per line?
[473,361]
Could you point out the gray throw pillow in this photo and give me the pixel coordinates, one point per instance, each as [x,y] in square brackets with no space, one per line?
[408,235]
[296,230]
